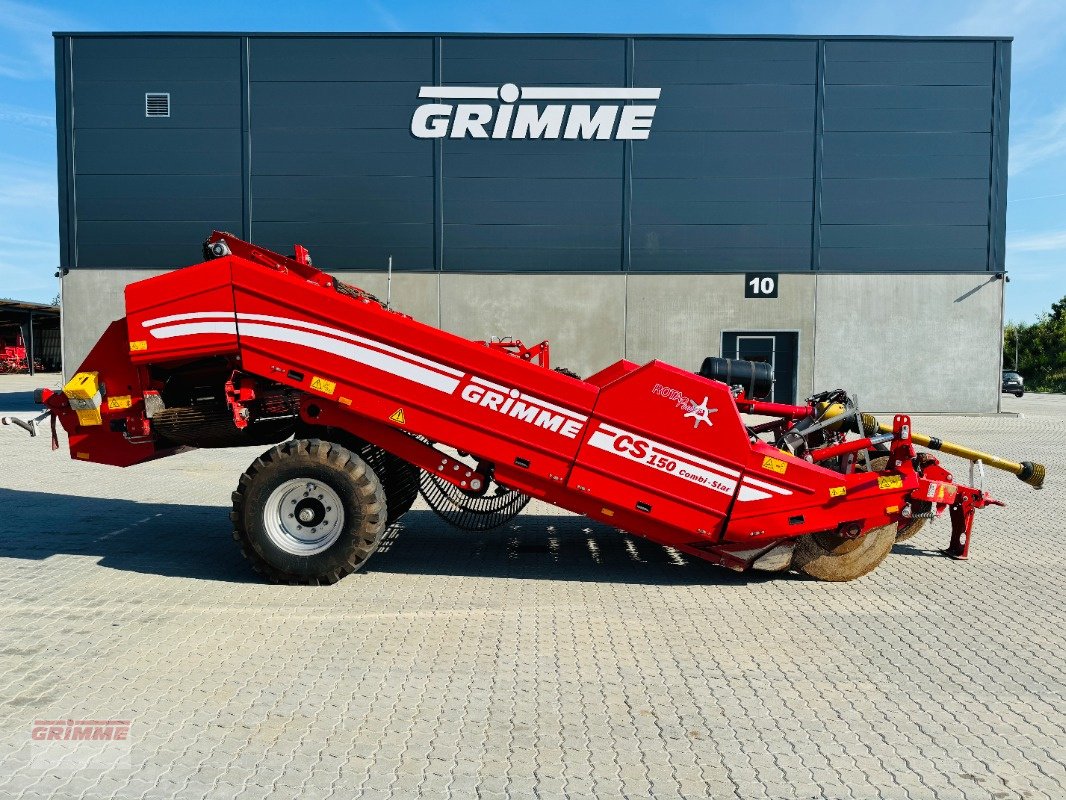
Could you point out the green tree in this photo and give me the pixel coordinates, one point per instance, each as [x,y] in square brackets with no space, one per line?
[1041,349]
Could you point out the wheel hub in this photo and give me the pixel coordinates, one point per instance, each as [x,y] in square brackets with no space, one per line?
[310,511]
[303,517]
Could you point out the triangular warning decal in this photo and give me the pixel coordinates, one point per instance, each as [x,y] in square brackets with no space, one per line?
[398,417]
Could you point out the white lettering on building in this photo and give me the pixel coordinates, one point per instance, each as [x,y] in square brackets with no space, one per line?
[614,115]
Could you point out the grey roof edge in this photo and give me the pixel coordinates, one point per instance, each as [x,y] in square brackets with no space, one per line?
[9,304]
[529,35]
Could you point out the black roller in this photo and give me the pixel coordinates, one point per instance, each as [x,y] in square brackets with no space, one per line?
[212,426]
[756,377]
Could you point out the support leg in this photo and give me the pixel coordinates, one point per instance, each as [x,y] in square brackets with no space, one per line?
[962,512]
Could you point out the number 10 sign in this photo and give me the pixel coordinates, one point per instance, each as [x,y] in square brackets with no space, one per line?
[760,284]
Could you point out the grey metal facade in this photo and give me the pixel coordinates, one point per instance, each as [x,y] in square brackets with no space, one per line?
[785,154]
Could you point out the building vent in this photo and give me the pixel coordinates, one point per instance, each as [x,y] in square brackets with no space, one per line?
[157,104]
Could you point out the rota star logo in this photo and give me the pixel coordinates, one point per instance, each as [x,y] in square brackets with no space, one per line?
[700,413]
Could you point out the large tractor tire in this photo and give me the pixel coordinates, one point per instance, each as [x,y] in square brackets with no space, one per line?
[831,557]
[308,512]
[398,477]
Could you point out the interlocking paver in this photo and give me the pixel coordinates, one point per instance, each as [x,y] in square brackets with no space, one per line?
[461,665]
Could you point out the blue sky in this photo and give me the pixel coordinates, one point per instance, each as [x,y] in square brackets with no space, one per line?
[1036,211]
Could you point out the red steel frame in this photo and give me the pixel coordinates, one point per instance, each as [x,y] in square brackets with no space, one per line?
[654,449]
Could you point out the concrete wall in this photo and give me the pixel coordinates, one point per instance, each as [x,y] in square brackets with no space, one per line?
[91,300]
[917,343]
[911,342]
[583,316]
[680,318]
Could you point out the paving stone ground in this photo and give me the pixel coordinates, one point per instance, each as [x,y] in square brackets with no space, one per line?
[555,658]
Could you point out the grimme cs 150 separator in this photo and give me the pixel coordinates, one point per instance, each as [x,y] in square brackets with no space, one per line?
[251,347]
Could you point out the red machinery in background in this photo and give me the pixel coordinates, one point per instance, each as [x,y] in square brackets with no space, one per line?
[13,356]
[365,406]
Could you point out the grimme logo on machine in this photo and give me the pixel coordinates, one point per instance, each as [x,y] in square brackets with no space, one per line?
[556,112]
[524,407]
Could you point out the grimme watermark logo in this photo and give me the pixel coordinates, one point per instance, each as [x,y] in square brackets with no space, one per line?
[75,745]
[63,730]
[554,112]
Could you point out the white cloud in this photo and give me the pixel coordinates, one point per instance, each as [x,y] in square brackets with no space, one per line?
[1038,26]
[390,21]
[25,188]
[27,118]
[1038,140]
[903,17]
[1037,242]
[29,237]
[26,33]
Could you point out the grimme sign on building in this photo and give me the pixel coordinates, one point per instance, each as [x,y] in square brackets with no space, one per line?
[801,200]
[568,120]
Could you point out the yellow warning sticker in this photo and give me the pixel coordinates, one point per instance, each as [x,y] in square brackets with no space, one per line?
[322,385]
[891,509]
[398,417]
[83,456]
[140,344]
[890,482]
[838,491]
[344,401]
[775,465]
[118,402]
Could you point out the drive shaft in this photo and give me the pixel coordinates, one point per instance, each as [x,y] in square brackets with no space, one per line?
[1027,471]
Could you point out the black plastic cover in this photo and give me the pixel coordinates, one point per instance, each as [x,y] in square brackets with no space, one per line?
[756,377]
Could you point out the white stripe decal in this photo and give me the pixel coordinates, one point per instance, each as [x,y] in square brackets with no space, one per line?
[606,436]
[768,486]
[195,315]
[352,352]
[531,398]
[312,326]
[460,92]
[539,93]
[308,326]
[587,93]
[602,440]
[673,452]
[324,344]
[554,407]
[747,494]
[190,328]
[490,384]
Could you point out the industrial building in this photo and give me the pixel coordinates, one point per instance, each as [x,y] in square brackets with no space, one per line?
[29,337]
[835,205]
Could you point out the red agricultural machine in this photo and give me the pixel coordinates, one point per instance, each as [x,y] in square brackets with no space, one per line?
[13,356]
[366,407]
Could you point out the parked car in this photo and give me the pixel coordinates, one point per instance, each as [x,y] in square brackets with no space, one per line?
[1013,383]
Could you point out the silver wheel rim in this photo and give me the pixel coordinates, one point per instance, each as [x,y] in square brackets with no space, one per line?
[303,517]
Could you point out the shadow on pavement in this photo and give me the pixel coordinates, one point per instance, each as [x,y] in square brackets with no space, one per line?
[18,402]
[912,550]
[194,541]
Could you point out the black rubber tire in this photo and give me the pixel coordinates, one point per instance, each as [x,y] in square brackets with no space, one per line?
[326,462]
[829,557]
[1019,394]
[398,477]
